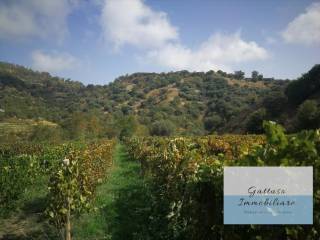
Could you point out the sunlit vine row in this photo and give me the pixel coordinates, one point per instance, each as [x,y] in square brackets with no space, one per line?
[74,180]
[186,179]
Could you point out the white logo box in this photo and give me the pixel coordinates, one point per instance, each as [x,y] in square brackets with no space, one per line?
[261,195]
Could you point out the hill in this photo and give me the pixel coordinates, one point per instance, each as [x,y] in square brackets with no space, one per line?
[180,103]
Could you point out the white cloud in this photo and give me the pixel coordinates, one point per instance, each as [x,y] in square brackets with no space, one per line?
[305,28]
[53,61]
[132,22]
[220,51]
[34,18]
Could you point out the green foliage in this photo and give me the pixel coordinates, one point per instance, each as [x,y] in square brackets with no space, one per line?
[254,124]
[211,123]
[93,111]
[308,115]
[23,164]
[299,90]
[275,103]
[162,128]
[239,75]
[41,133]
[127,126]
[74,180]
[301,149]
[82,126]
[255,76]
[275,134]
[16,172]
[67,191]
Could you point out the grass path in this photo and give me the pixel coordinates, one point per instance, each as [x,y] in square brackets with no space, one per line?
[122,204]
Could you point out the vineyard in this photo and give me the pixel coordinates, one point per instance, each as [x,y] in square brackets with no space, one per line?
[68,173]
[155,187]
[186,180]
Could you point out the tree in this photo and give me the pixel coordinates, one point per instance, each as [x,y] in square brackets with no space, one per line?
[125,109]
[254,75]
[308,115]
[275,102]
[222,73]
[213,122]
[76,125]
[254,124]
[93,125]
[162,128]
[127,126]
[239,74]
[299,90]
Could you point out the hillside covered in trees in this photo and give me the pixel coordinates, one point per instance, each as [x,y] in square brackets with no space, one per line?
[174,103]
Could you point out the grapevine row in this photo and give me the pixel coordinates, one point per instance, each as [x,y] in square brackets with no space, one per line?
[186,180]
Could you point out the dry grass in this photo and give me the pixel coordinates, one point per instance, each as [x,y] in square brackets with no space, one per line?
[243,83]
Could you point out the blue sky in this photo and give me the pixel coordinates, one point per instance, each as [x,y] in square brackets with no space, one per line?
[96,41]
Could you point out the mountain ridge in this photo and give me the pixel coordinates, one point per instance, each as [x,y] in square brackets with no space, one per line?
[190,103]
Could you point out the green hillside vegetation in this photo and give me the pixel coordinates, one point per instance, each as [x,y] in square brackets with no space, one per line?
[174,103]
[13,129]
